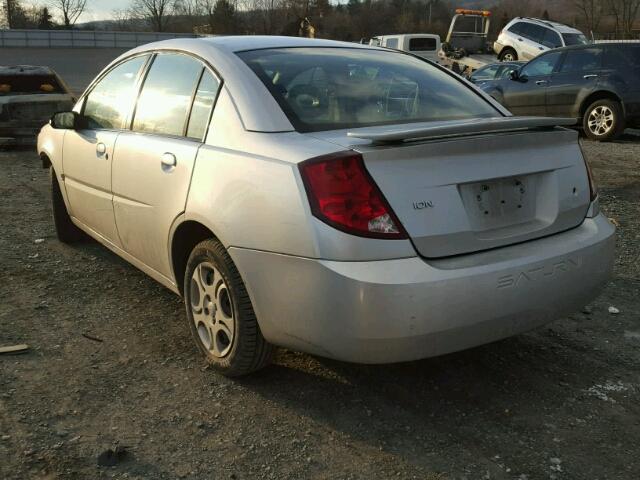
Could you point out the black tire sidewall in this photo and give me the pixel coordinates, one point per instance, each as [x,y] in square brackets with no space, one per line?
[66,231]
[508,50]
[618,120]
[212,252]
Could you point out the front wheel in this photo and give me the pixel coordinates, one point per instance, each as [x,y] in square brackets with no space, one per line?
[603,120]
[220,315]
[66,231]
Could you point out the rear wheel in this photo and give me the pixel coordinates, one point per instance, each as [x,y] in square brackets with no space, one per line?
[219,312]
[508,55]
[603,120]
[66,231]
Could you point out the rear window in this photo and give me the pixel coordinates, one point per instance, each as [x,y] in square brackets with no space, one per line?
[422,44]
[29,84]
[332,88]
[574,39]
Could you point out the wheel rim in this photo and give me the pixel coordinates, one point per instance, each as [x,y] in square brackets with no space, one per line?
[212,309]
[600,120]
[508,57]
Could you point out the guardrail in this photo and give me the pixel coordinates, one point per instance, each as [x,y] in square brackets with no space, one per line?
[82,38]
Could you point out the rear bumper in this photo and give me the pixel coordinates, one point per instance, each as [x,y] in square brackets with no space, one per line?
[497,47]
[407,309]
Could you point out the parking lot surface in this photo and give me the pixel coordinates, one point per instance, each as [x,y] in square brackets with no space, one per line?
[111,364]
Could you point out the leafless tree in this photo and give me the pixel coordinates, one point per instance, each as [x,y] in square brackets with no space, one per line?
[157,12]
[70,10]
[625,13]
[592,11]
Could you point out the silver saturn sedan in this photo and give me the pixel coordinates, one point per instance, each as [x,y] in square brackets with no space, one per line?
[344,200]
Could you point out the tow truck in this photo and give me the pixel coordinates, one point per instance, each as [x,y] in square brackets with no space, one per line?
[466,47]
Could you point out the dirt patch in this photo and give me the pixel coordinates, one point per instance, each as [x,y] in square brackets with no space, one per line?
[561,402]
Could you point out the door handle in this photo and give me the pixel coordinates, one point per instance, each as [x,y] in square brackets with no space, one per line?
[101,148]
[519,39]
[541,82]
[591,75]
[168,161]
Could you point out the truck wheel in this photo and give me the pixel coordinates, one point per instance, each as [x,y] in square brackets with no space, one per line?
[220,315]
[66,231]
[603,120]
[508,55]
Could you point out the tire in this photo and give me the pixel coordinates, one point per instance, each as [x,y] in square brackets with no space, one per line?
[220,315]
[603,120]
[66,231]
[508,55]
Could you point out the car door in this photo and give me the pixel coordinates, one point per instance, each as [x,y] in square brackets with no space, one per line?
[88,153]
[574,80]
[526,95]
[154,160]
[529,41]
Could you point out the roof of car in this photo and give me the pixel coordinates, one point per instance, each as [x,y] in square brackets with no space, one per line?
[25,70]
[561,27]
[239,43]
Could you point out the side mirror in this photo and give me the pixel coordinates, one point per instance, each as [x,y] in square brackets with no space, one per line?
[514,75]
[68,121]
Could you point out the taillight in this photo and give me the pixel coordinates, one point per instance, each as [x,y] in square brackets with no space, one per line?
[342,194]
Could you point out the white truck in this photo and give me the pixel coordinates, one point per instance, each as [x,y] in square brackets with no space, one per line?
[466,47]
[425,45]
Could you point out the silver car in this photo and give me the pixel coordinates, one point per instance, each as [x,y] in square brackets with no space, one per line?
[525,38]
[340,199]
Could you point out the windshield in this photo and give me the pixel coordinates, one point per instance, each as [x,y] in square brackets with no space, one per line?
[332,88]
[29,84]
[574,39]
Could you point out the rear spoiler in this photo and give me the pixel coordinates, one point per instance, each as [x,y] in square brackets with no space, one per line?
[454,128]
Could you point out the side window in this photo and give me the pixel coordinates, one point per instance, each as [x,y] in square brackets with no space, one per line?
[516,28]
[526,30]
[202,105]
[110,101]
[622,56]
[487,73]
[536,33]
[163,104]
[543,65]
[551,39]
[424,44]
[391,43]
[582,60]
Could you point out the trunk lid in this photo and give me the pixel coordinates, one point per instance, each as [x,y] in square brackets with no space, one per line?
[481,189]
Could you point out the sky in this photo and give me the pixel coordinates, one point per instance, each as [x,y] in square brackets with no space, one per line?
[95,10]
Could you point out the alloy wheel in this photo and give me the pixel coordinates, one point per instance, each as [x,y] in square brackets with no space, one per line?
[601,120]
[212,309]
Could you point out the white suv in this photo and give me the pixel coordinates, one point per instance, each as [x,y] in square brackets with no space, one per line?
[526,38]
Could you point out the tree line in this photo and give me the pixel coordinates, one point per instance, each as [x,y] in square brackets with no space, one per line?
[350,21]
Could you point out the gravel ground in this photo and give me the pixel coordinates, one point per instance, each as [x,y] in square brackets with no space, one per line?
[562,402]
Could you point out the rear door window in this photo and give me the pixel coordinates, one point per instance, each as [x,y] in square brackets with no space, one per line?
[536,33]
[111,99]
[165,98]
[622,57]
[424,44]
[202,105]
[583,60]
[331,88]
[541,66]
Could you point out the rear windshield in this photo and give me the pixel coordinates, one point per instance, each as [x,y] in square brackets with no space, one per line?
[332,88]
[29,84]
[574,39]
